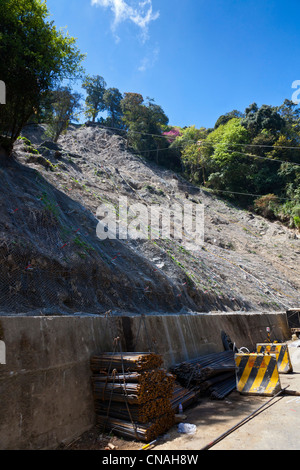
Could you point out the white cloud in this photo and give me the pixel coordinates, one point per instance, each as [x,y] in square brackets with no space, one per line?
[149,60]
[138,12]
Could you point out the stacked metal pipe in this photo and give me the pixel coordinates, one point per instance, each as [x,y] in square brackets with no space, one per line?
[132,394]
[132,361]
[210,374]
[184,397]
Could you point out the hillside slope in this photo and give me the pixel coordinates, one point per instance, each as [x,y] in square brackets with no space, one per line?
[53,263]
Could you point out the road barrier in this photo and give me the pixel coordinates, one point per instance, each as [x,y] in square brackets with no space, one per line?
[257,374]
[281,351]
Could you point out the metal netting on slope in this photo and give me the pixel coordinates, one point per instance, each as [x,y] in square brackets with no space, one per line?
[52,261]
[47,257]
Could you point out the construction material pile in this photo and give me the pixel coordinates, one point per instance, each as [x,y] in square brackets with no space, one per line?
[184,397]
[211,374]
[132,394]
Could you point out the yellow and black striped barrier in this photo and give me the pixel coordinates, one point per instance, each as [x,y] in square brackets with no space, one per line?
[281,351]
[257,374]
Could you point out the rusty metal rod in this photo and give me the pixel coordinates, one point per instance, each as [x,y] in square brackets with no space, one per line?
[243,421]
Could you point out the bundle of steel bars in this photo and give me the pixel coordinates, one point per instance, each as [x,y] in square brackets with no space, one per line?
[223,388]
[142,432]
[126,362]
[211,374]
[138,413]
[183,396]
[147,385]
[132,394]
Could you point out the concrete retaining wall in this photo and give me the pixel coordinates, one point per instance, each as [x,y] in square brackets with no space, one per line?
[45,389]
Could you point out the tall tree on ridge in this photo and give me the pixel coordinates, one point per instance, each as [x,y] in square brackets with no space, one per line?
[35,57]
[95,87]
[64,104]
[112,100]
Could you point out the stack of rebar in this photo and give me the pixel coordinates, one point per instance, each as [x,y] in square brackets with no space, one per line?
[133,361]
[211,374]
[132,394]
[183,396]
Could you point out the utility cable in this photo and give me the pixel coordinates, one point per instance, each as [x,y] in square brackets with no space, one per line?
[231,150]
[168,137]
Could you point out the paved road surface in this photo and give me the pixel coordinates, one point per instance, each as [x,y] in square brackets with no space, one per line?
[276,428]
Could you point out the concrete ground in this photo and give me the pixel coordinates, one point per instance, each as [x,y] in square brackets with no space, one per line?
[276,428]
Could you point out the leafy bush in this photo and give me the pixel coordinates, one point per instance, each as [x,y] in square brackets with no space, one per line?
[267,206]
[297,222]
[296,211]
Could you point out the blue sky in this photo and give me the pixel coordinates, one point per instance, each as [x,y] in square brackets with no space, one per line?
[197,59]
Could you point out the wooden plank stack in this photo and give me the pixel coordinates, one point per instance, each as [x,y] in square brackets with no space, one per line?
[132,394]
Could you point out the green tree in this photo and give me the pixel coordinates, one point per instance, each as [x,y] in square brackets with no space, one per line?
[156,121]
[132,108]
[194,164]
[189,135]
[226,117]
[112,100]
[34,58]
[134,118]
[224,154]
[145,122]
[290,112]
[264,176]
[95,87]
[266,117]
[188,143]
[64,109]
[258,154]
[44,112]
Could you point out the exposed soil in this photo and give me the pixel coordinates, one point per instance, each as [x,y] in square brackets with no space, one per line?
[55,264]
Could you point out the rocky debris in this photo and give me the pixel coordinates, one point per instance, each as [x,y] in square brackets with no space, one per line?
[50,197]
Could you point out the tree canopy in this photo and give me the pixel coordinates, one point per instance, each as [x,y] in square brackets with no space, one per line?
[252,158]
[145,122]
[95,88]
[64,105]
[112,100]
[266,117]
[35,57]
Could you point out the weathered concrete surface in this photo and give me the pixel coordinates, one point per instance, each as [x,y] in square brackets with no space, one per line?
[45,388]
[181,337]
[276,427]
